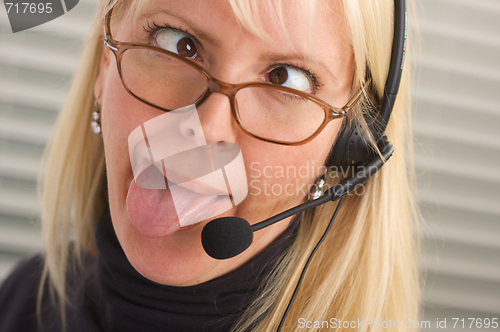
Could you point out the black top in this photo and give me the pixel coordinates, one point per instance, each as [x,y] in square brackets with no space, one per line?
[110,295]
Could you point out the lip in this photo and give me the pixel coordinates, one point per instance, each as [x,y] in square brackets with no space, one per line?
[193,207]
[205,221]
[205,185]
[200,216]
[201,169]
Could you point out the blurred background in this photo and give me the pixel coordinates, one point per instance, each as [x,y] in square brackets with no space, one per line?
[456,123]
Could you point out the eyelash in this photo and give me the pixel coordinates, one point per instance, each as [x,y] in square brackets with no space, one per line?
[151,31]
[157,27]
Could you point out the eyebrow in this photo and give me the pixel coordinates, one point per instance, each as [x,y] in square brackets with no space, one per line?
[198,32]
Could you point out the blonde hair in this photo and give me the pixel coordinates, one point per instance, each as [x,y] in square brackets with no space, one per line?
[367,266]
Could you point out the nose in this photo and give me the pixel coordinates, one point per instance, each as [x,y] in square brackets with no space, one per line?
[216,119]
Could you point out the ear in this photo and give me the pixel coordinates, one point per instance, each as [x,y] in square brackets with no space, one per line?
[103,70]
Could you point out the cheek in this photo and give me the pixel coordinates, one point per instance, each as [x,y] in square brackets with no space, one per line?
[121,114]
[285,173]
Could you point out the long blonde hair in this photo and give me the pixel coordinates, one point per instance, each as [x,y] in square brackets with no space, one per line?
[367,266]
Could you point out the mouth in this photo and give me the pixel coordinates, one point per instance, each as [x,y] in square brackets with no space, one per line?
[163,211]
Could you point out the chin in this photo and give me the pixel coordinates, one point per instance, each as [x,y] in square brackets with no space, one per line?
[177,259]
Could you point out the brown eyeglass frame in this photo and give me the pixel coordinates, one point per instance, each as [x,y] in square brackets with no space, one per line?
[214,85]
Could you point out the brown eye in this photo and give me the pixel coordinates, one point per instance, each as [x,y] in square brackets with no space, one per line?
[186,47]
[291,77]
[177,41]
[278,75]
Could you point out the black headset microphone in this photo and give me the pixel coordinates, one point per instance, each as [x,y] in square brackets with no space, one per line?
[227,237]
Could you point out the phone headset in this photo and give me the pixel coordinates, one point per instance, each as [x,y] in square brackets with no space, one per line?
[227,237]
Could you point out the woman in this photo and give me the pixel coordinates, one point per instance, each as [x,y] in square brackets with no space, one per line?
[141,265]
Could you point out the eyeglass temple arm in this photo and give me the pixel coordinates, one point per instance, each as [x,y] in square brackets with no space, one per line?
[108,39]
[356,97]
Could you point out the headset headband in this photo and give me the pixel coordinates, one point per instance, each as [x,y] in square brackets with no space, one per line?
[397,62]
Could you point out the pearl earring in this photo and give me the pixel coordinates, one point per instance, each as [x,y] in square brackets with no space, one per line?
[317,188]
[96,116]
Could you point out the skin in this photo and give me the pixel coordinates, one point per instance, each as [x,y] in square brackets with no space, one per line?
[179,259]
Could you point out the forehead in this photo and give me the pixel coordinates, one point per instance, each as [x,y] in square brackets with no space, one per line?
[299,23]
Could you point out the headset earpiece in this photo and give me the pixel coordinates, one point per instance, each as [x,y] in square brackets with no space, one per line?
[352,146]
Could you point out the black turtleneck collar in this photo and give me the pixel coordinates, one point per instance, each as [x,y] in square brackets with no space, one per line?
[131,302]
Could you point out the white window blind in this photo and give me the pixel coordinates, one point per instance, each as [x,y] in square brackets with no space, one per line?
[36,66]
[457,127]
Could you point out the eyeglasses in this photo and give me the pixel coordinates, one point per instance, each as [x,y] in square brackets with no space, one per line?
[266,111]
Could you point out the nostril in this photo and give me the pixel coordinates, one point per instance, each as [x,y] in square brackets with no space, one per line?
[188,132]
[223,145]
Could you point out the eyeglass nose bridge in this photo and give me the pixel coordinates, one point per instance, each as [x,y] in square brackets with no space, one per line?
[214,85]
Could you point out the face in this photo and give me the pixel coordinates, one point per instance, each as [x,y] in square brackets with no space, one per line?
[171,254]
